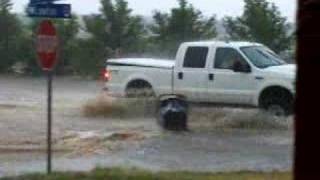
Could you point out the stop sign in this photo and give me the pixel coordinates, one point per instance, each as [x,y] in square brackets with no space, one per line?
[47,45]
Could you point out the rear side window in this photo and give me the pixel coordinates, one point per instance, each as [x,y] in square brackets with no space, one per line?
[196,57]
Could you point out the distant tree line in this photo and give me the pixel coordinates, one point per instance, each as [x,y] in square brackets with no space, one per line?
[116,32]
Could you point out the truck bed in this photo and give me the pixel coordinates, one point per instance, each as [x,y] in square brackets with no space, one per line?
[158,73]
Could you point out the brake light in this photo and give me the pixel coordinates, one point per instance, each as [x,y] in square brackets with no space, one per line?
[106,75]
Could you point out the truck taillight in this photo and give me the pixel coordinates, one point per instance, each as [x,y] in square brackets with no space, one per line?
[106,75]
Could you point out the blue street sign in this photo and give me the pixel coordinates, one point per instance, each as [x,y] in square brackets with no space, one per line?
[49,10]
[42,1]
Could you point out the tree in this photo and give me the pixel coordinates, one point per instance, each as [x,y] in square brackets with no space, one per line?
[261,22]
[115,27]
[184,23]
[67,31]
[89,57]
[112,32]
[9,33]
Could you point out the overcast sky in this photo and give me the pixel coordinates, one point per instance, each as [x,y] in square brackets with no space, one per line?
[146,7]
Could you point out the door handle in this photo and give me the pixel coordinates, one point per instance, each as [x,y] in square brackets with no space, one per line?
[180,75]
[211,77]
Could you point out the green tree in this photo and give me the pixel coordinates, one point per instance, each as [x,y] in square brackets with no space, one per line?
[184,23]
[67,31]
[112,32]
[261,22]
[9,33]
[89,57]
[115,27]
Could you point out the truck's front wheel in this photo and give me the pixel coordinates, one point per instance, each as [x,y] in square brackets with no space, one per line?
[277,101]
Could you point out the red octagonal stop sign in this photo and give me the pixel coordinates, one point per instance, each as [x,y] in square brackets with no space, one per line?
[47,45]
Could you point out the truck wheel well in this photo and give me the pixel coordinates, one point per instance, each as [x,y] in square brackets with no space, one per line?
[137,85]
[276,94]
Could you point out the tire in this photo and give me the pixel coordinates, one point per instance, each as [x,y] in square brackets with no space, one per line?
[278,103]
[173,115]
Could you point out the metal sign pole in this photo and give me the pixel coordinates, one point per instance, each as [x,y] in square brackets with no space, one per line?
[47,57]
[49,130]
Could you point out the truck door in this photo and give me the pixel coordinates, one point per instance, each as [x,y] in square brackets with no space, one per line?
[191,74]
[228,86]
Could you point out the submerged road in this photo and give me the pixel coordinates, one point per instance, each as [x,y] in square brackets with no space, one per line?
[206,148]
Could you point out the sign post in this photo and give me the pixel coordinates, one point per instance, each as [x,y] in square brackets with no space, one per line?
[49,127]
[47,47]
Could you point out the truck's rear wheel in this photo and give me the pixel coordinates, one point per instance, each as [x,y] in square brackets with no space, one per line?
[139,89]
[277,102]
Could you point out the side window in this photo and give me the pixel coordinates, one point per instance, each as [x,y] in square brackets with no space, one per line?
[196,57]
[226,57]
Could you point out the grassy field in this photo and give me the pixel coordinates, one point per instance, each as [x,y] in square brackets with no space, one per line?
[135,174]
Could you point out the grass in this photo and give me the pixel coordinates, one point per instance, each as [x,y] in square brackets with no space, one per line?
[136,174]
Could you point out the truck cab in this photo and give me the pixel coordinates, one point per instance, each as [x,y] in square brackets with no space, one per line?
[231,73]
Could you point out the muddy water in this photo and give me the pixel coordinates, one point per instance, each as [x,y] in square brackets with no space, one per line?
[210,151]
[218,151]
[220,139]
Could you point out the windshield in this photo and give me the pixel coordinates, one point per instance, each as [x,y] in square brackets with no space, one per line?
[262,57]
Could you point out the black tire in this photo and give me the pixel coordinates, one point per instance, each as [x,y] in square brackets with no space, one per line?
[173,115]
[277,102]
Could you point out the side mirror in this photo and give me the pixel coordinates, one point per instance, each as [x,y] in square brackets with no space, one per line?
[240,67]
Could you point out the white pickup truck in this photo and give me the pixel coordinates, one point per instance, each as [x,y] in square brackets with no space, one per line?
[224,73]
